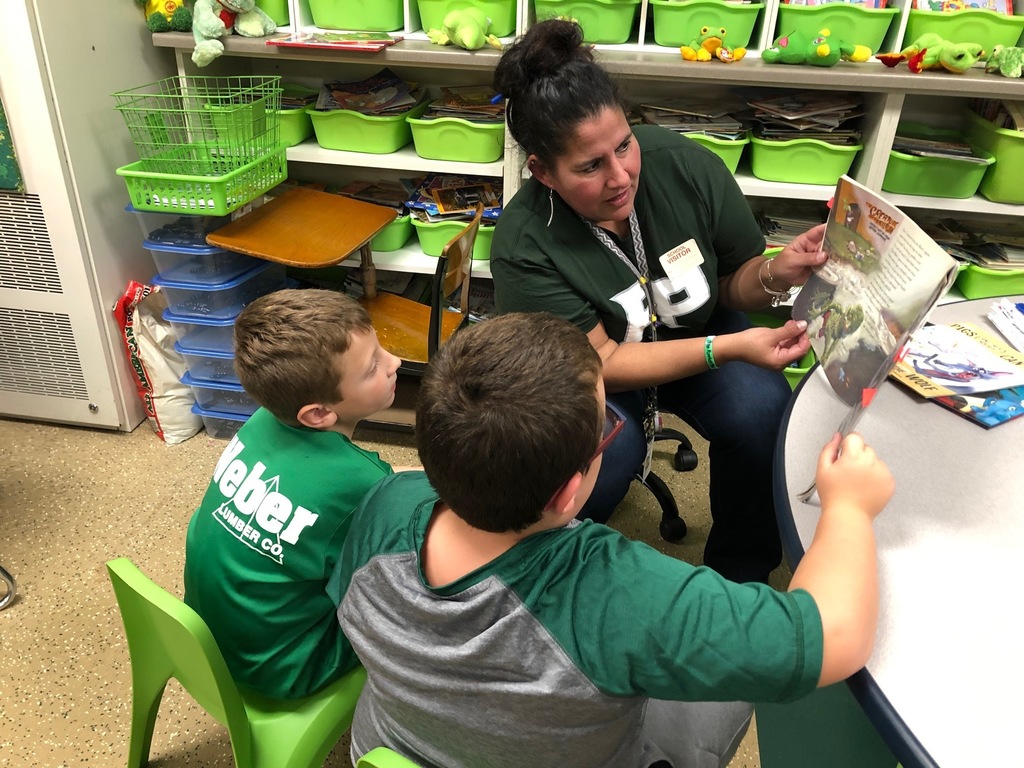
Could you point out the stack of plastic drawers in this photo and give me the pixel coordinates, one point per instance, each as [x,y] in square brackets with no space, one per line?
[206,288]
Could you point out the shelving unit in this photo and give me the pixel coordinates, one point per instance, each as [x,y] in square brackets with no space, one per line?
[646,71]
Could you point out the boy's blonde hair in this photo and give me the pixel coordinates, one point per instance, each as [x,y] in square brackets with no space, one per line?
[287,344]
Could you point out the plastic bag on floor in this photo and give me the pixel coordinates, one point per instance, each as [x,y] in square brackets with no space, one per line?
[158,368]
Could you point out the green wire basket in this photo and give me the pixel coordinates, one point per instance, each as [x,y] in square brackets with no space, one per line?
[202,126]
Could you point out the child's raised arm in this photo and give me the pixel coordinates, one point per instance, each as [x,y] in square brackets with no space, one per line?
[840,567]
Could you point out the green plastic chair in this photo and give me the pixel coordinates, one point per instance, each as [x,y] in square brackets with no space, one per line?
[168,639]
[382,757]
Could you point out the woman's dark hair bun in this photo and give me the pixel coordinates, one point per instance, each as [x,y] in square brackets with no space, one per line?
[543,51]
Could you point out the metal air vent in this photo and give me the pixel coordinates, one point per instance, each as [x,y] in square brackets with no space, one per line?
[38,355]
[27,262]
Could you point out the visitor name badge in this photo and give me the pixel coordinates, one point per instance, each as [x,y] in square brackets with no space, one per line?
[682,259]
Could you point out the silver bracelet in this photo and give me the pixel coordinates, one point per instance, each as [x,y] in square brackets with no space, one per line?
[777,296]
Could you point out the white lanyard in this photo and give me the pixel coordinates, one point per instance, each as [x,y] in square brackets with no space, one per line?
[640,270]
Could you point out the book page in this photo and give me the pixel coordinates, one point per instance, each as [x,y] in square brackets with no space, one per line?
[882,277]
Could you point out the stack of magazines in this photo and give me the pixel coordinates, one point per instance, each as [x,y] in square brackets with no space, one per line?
[448,197]
[469,102]
[999,247]
[947,150]
[808,115]
[694,116]
[387,192]
[381,95]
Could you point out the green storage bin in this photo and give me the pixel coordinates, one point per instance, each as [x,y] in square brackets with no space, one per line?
[603,21]
[434,236]
[275,9]
[355,132]
[452,138]
[801,161]
[730,150]
[971,25]
[851,24]
[296,125]
[977,282]
[358,15]
[795,373]
[502,13]
[393,236]
[933,176]
[678,22]
[1002,181]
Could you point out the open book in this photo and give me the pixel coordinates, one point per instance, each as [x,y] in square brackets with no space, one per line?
[882,277]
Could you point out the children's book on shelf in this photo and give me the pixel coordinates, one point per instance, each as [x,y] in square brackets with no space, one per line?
[369,42]
[446,197]
[882,277]
[999,6]
[965,369]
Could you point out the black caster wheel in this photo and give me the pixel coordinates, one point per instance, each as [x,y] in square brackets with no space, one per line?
[673,530]
[684,460]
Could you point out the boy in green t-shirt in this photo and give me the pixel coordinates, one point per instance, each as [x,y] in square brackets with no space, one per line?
[265,539]
[496,630]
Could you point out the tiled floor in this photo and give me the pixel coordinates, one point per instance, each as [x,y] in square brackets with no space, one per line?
[71,499]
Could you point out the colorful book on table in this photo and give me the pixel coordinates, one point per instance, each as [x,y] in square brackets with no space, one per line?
[965,369]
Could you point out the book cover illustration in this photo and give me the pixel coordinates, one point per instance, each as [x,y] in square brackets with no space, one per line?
[882,277]
[989,409]
[965,369]
[957,359]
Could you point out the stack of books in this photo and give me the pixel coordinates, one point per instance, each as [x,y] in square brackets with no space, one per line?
[693,116]
[381,95]
[447,197]
[369,42]
[387,192]
[947,150]
[808,115]
[469,102]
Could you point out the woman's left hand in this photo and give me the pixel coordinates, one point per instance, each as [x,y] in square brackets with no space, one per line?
[794,264]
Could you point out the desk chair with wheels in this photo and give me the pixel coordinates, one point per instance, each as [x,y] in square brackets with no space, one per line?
[413,331]
[10,585]
[168,639]
[672,527]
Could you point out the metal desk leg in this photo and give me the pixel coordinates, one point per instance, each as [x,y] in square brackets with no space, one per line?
[8,580]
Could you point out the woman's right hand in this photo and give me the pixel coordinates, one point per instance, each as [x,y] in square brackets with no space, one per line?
[773,348]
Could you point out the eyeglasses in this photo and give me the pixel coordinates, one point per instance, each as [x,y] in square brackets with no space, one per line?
[614,423]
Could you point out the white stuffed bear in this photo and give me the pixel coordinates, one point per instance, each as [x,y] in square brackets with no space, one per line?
[214,19]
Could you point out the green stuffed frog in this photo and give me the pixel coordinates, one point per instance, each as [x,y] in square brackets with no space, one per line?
[932,51]
[709,44]
[819,50]
[1007,60]
[467,28]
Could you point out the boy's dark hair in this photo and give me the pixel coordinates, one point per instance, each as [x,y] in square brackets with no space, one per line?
[507,412]
[286,347]
[551,83]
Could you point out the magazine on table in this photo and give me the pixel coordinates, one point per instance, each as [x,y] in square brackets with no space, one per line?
[965,369]
[883,275]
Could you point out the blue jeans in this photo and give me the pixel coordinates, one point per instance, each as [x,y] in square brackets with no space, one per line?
[738,409]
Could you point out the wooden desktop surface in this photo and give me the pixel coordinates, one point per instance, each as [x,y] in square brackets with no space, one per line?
[944,681]
[304,228]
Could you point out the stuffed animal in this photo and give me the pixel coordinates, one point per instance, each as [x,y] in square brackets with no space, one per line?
[932,51]
[215,19]
[708,45]
[166,15]
[1006,60]
[820,50]
[467,28]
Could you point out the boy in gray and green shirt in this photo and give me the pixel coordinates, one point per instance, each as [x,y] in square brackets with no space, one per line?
[498,631]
